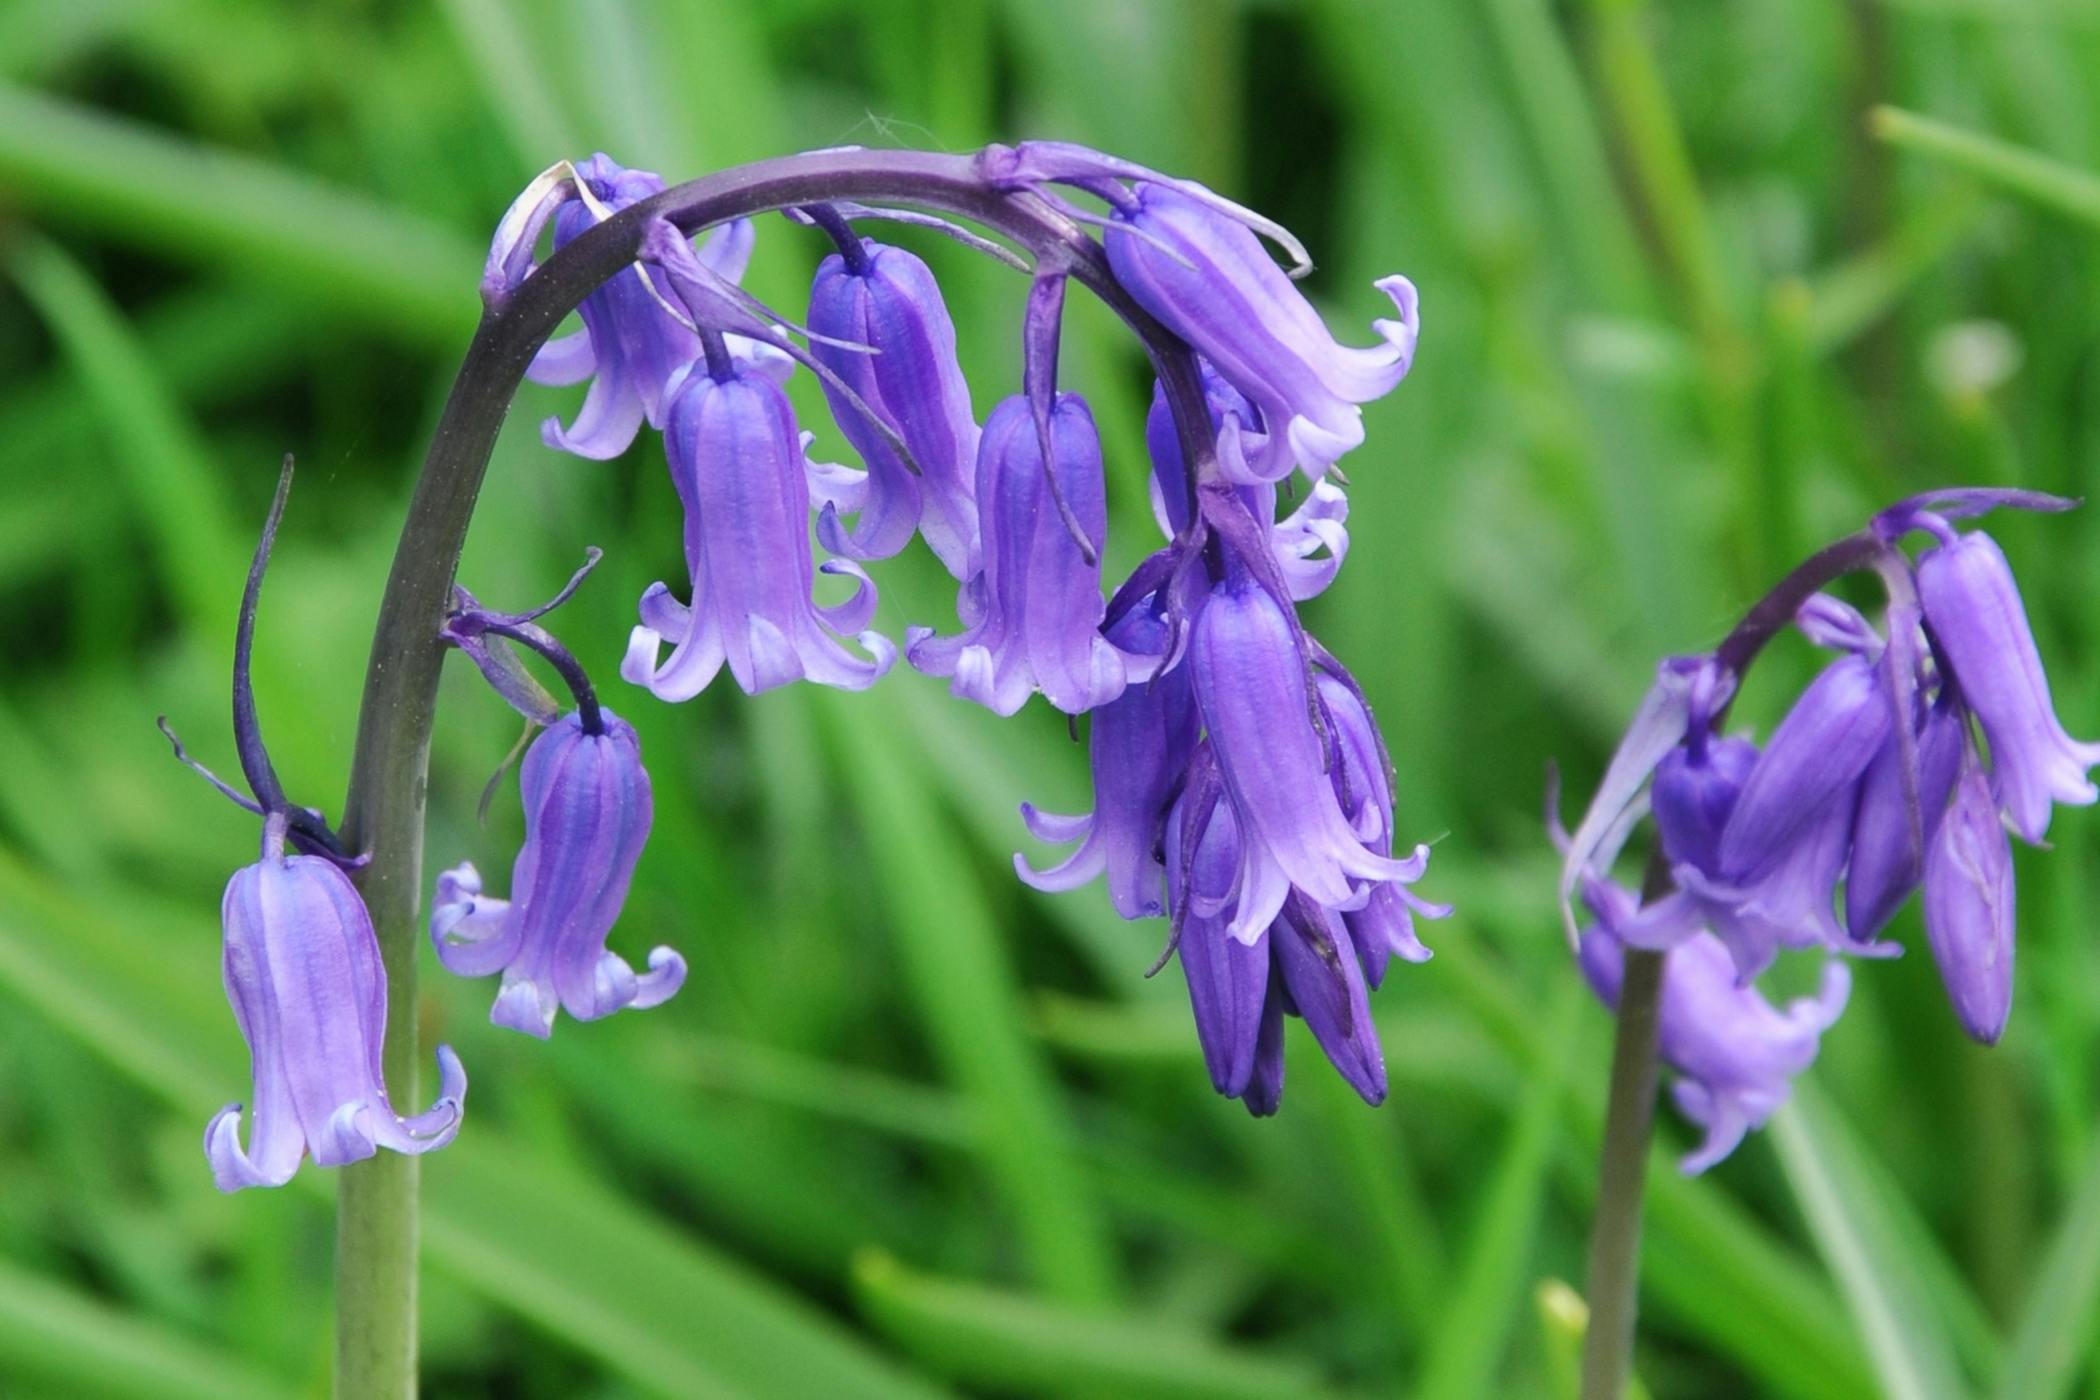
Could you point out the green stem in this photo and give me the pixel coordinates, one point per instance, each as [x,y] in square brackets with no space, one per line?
[376,1223]
[1615,1234]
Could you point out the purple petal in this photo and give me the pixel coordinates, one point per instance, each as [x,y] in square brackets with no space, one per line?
[1980,627]
[1969,908]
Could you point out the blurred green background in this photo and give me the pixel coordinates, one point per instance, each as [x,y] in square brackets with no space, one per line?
[910,1126]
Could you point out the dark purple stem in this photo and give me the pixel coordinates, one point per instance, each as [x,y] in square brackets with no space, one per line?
[539,640]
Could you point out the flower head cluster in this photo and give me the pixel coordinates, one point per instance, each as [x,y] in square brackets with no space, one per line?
[1902,765]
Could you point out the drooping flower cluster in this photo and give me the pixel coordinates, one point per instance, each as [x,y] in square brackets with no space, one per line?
[1875,783]
[1241,785]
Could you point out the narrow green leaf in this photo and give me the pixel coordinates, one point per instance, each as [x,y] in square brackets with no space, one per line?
[1007,1341]
[2050,183]
[376,265]
[1875,1267]
[80,1346]
[2060,1324]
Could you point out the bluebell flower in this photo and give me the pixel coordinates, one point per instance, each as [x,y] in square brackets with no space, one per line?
[1253,689]
[738,462]
[1302,962]
[1979,626]
[1887,861]
[633,342]
[1383,926]
[1735,1054]
[1209,280]
[309,992]
[1138,749]
[1033,609]
[588,810]
[1309,544]
[1969,906]
[884,298]
[1193,259]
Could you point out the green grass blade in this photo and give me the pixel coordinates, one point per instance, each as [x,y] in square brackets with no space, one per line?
[2049,183]
[1009,1342]
[1867,1251]
[83,1347]
[166,472]
[559,1249]
[2060,1324]
[367,263]
[954,961]
[1468,1338]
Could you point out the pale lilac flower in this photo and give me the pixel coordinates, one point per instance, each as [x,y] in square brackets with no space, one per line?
[1969,907]
[632,343]
[1735,1054]
[1979,626]
[884,298]
[587,814]
[1032,611]
[303,973]
[737,460]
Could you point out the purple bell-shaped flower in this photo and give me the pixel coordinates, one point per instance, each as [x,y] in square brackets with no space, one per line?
[633,344]
[1253,692]
[1979,625]
[308,990]
[587,814]
[1969,907]
[884,298]
[1033,611]
[1209,280]
[1736,1054]
[737,460]
[1138,748]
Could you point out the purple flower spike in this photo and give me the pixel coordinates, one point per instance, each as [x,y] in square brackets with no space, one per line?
[1138,747]
[1209,280]
[303,973]
[886,299]
[737,461]
[1032,610]
[1736,1054]
[1251,688]
[1969,907]
[587,814]
[1888,849]
[1980,625]
[632,344]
